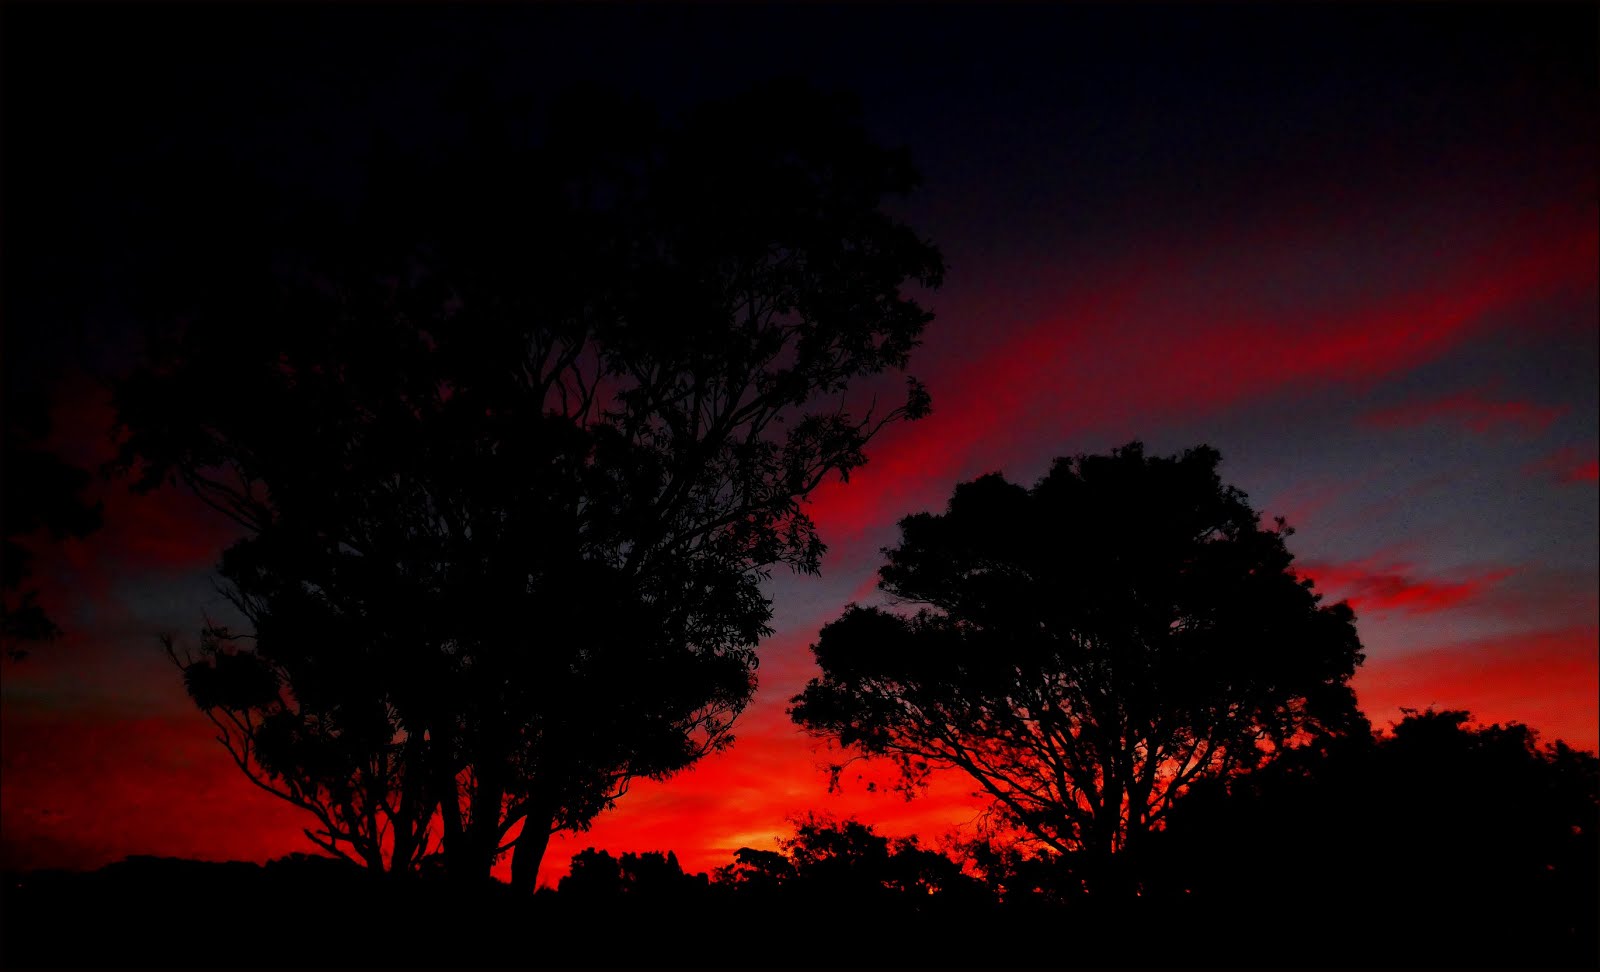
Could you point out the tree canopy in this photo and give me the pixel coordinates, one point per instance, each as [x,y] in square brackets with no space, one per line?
[831,860]
[1088,649]
[1484,838]
[514,450]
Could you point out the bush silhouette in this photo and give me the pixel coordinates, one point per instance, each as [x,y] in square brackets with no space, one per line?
[1469,846]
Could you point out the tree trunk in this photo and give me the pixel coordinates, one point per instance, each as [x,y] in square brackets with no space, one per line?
[482,834]
[412,812]
[442,772]
[1099,847]
[529,852]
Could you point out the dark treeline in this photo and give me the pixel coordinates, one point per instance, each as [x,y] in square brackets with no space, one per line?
[513,440]
[1436,844]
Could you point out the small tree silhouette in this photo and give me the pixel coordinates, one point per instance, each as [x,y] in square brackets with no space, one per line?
[829,861]
[756,873]
[515,452]
[1089,649]
[652,874]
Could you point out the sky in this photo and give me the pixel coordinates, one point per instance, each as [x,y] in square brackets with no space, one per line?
[1352,247]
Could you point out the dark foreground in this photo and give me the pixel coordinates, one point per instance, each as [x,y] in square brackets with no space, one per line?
[149,913]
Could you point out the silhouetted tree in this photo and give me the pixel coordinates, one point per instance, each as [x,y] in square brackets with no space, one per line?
[1089,649]
[515,452]
[652,874]
[1483,840]
[592,874]
[829,861]
[757,873]
[846,860]
[1020,871]
[40,493]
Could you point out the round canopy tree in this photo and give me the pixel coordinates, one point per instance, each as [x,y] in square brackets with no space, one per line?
[1089,648]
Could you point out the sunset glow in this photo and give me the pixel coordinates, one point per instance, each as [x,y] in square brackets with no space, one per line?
[1376,295]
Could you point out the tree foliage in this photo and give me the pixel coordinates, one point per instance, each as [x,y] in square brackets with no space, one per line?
[514,451]
[828,860]
[1481,839]
[596,874]
[1089,649]
[41,494]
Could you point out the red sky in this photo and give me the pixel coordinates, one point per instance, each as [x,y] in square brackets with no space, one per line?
[1393,344]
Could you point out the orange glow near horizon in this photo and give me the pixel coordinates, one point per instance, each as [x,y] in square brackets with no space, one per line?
[104,757]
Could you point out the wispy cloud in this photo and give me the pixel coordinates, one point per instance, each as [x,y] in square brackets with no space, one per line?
[1470,410]
[1377,587]
[1570,465]
[1140,349]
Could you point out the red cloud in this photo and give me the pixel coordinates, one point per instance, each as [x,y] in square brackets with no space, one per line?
[749,796]
[1396,587]
[1547,679]
[1146,346]
[1569,465]
[83,790]
[1149,344]
[1471,410]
